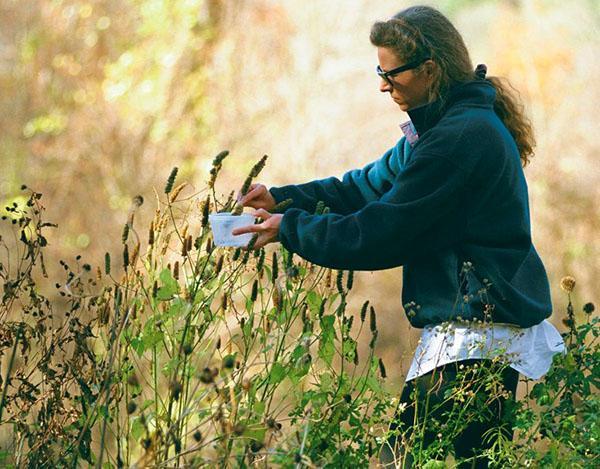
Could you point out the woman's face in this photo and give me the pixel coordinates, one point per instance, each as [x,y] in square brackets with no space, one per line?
[410,88]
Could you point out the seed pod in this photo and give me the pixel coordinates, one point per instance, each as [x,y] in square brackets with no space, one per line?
[132,380]
[176,389]
[125,233]
[303,314]
[246,185]
[171,180]
[382,369]
[252,242]
[154,289]
[131,407]
[218,344]
[107,263]
[228,361]
[339,281]
[363,311]
[373,320]
[125,257]
[209,246]
[350,322]
[275,268]
[356,356]
[236,254]
[218,160]
[261,261]
[258,167]
[205,211]
[224,302]
[328,278]
[197,436]
[588,308]
[177,191]
[350,280]
[190,243]
[176,270]
[277,300]
[254,293]
[281,206]
[206,376]
[219,265]
[184,248]
[373,339]
[151,234]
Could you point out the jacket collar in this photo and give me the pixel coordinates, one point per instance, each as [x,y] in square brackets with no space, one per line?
[478,93]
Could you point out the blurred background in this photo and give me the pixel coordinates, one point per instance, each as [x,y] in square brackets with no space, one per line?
[100,99]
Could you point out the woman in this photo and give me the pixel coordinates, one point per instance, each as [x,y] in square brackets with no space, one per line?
[449,203]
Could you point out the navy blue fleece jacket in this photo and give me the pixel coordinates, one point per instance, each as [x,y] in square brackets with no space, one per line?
[457,198]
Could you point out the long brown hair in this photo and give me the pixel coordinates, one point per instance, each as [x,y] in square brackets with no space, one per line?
[421,31]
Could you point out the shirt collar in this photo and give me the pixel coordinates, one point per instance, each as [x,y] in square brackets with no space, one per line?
[477,92]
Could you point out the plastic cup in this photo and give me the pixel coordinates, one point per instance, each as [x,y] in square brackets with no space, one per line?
[223,223]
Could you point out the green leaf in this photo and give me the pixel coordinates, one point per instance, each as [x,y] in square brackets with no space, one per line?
[169,285]
[313,300]
[277,374]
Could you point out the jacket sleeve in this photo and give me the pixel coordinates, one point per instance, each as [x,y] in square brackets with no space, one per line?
[420,212]
[355,190]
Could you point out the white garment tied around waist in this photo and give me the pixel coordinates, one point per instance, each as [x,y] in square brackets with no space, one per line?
[527,350]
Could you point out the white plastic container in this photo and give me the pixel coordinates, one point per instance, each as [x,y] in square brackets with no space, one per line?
[223,223]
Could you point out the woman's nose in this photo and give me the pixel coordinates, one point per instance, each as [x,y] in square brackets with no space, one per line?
[384,86]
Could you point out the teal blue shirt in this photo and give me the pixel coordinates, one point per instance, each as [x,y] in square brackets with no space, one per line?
[452,209]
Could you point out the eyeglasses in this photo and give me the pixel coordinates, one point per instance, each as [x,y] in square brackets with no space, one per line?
[409,66]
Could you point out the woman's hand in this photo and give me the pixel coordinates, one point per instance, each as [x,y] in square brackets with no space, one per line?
[258,196]
[268,230]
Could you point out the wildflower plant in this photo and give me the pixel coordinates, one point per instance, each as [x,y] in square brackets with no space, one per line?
[176,352]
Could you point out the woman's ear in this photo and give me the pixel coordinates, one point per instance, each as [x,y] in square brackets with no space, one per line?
[429,67]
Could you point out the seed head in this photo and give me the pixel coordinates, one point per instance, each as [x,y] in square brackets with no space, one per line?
[372,319]
[236,254]
[176,270]
[151,234]
[205,211]
[125,257]
[339,281]
[107,263]
[363,311]
[125,233]
[171,180]
[224,302]
[281,206]
[176,389]
[277,301]
[138,201]
[567,283]
[254,293]
[588,308]
[274,268]
[228,361]
[218,160]
[176,192]
[382,369]
[219,265]
[132,380]
[350,280]
[188,349]
[258,167]
[197,436]
[131,407]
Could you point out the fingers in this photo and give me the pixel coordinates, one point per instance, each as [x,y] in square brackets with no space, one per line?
[262,213]
[255,191]
[248,229]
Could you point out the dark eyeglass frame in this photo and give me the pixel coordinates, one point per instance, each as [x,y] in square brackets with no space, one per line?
[395,71]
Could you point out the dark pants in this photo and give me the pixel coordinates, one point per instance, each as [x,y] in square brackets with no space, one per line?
[433,411]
